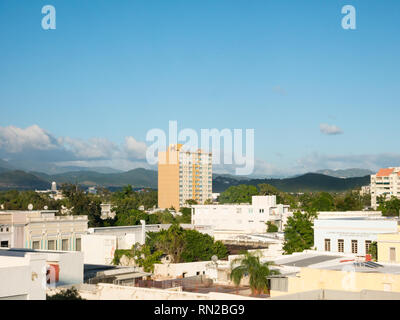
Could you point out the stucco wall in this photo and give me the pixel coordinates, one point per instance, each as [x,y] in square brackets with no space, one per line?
[309,279]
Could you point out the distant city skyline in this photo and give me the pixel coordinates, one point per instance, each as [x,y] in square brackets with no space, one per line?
[86,93]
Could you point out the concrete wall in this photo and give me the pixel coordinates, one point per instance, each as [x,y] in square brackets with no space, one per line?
[176,270]
[23,277]
[71,266]
[340,295]
[105,291]
[98,248]
[309,279]
[385,244]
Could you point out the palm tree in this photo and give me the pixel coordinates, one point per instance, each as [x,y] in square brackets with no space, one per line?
[250,265]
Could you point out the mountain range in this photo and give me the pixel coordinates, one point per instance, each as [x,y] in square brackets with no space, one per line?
[346,173]
[12,178]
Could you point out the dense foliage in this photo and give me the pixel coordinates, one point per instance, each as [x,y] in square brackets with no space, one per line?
[66,294]
[271,227]
[186,245]
[373,251]
[19,200]
[390,207]
[317,201]
[238,194]
[299,232]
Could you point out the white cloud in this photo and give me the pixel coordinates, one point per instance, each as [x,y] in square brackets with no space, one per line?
[329,129]
[14,140]
[134,148]
[318,161]
[35,144]
[95,148]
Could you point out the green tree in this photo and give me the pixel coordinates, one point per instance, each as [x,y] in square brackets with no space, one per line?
[281,197]
[83,204]
[186,216]
[201,247]
[271,227]
[66,294]
[191,202]
[238,194]
[373,250]
[250,265]
[185,245]
[145,258]
[390,208]
[323,201]
[299,232]
[172,242]
[350,202]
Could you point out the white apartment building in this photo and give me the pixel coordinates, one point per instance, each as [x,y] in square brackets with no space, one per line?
[385,183]
[41,230]
[350,235]
[241,218]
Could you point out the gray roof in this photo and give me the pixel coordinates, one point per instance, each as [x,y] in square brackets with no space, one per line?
[308,261]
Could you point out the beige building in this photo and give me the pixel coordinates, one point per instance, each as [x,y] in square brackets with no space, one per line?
[389,247]
[183,176]
[385,183]
[310,271]
[41,230]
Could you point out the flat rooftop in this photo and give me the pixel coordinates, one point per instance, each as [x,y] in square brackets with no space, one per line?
[334,262]
[17,252]
[305,260]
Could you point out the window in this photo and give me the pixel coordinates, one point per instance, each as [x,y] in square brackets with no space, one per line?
[392,255]
[354,246]
[4,244]
[64,245]
[340,245]
[367,246]
[36,245]
[51,245]
[327,244]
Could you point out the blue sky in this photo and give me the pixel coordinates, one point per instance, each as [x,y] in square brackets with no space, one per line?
[116,69]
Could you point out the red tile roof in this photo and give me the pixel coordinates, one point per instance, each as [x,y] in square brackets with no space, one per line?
[385,172]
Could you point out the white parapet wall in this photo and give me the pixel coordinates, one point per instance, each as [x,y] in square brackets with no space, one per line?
[105,291]
[180,270]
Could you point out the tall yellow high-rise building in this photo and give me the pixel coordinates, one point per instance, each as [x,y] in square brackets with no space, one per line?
[183,176]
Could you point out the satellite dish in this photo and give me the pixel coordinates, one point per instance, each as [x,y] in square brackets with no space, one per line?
[214,258]
[45,207]
[30,207]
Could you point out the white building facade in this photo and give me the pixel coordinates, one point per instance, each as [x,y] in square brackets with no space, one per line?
[41,230]
[350,235]
[241,218]
[26,274]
